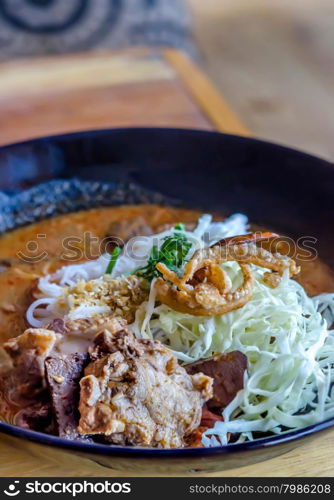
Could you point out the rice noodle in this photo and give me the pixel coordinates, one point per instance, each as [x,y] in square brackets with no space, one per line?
[42,313]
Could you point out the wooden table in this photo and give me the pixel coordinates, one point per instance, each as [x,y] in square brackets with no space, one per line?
[130,88]
[137,88]
[274,61]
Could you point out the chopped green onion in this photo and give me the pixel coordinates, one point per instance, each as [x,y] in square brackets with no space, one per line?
[179,226]
[113,259]
[172,253]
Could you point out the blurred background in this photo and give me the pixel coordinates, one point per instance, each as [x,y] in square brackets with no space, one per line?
[271,60]
[274,61]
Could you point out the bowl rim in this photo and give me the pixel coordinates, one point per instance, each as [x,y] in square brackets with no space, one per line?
[114,450]
[179,130]
[109,450]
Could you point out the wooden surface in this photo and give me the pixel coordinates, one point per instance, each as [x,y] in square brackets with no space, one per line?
[274,62]
[21,458]
[130,88]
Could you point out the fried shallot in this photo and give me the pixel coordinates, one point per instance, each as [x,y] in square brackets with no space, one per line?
[205,289]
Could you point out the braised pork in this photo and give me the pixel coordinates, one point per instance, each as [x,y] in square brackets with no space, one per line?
[227,371]
[135,392]
[63,373]
[28,352]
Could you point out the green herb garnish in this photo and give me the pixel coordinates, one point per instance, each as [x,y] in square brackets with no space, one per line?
[113,259]
[172,253]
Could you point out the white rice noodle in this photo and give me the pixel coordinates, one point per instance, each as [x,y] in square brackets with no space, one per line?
[37,316]
[232,226]
[203,225]
[84,311]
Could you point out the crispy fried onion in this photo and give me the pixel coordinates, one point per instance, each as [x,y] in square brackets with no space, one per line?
[205,289]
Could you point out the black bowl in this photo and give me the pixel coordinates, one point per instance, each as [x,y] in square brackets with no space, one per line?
[276,187]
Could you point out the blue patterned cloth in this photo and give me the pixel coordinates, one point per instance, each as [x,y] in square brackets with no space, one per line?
[37,27]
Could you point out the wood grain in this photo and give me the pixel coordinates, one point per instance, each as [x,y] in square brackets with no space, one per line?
[82,71]
[205,95]
[144,104]
[310,460]
[274,63]
[116,89]
[82,92]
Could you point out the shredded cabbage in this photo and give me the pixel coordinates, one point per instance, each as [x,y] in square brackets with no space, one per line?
[288,345]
